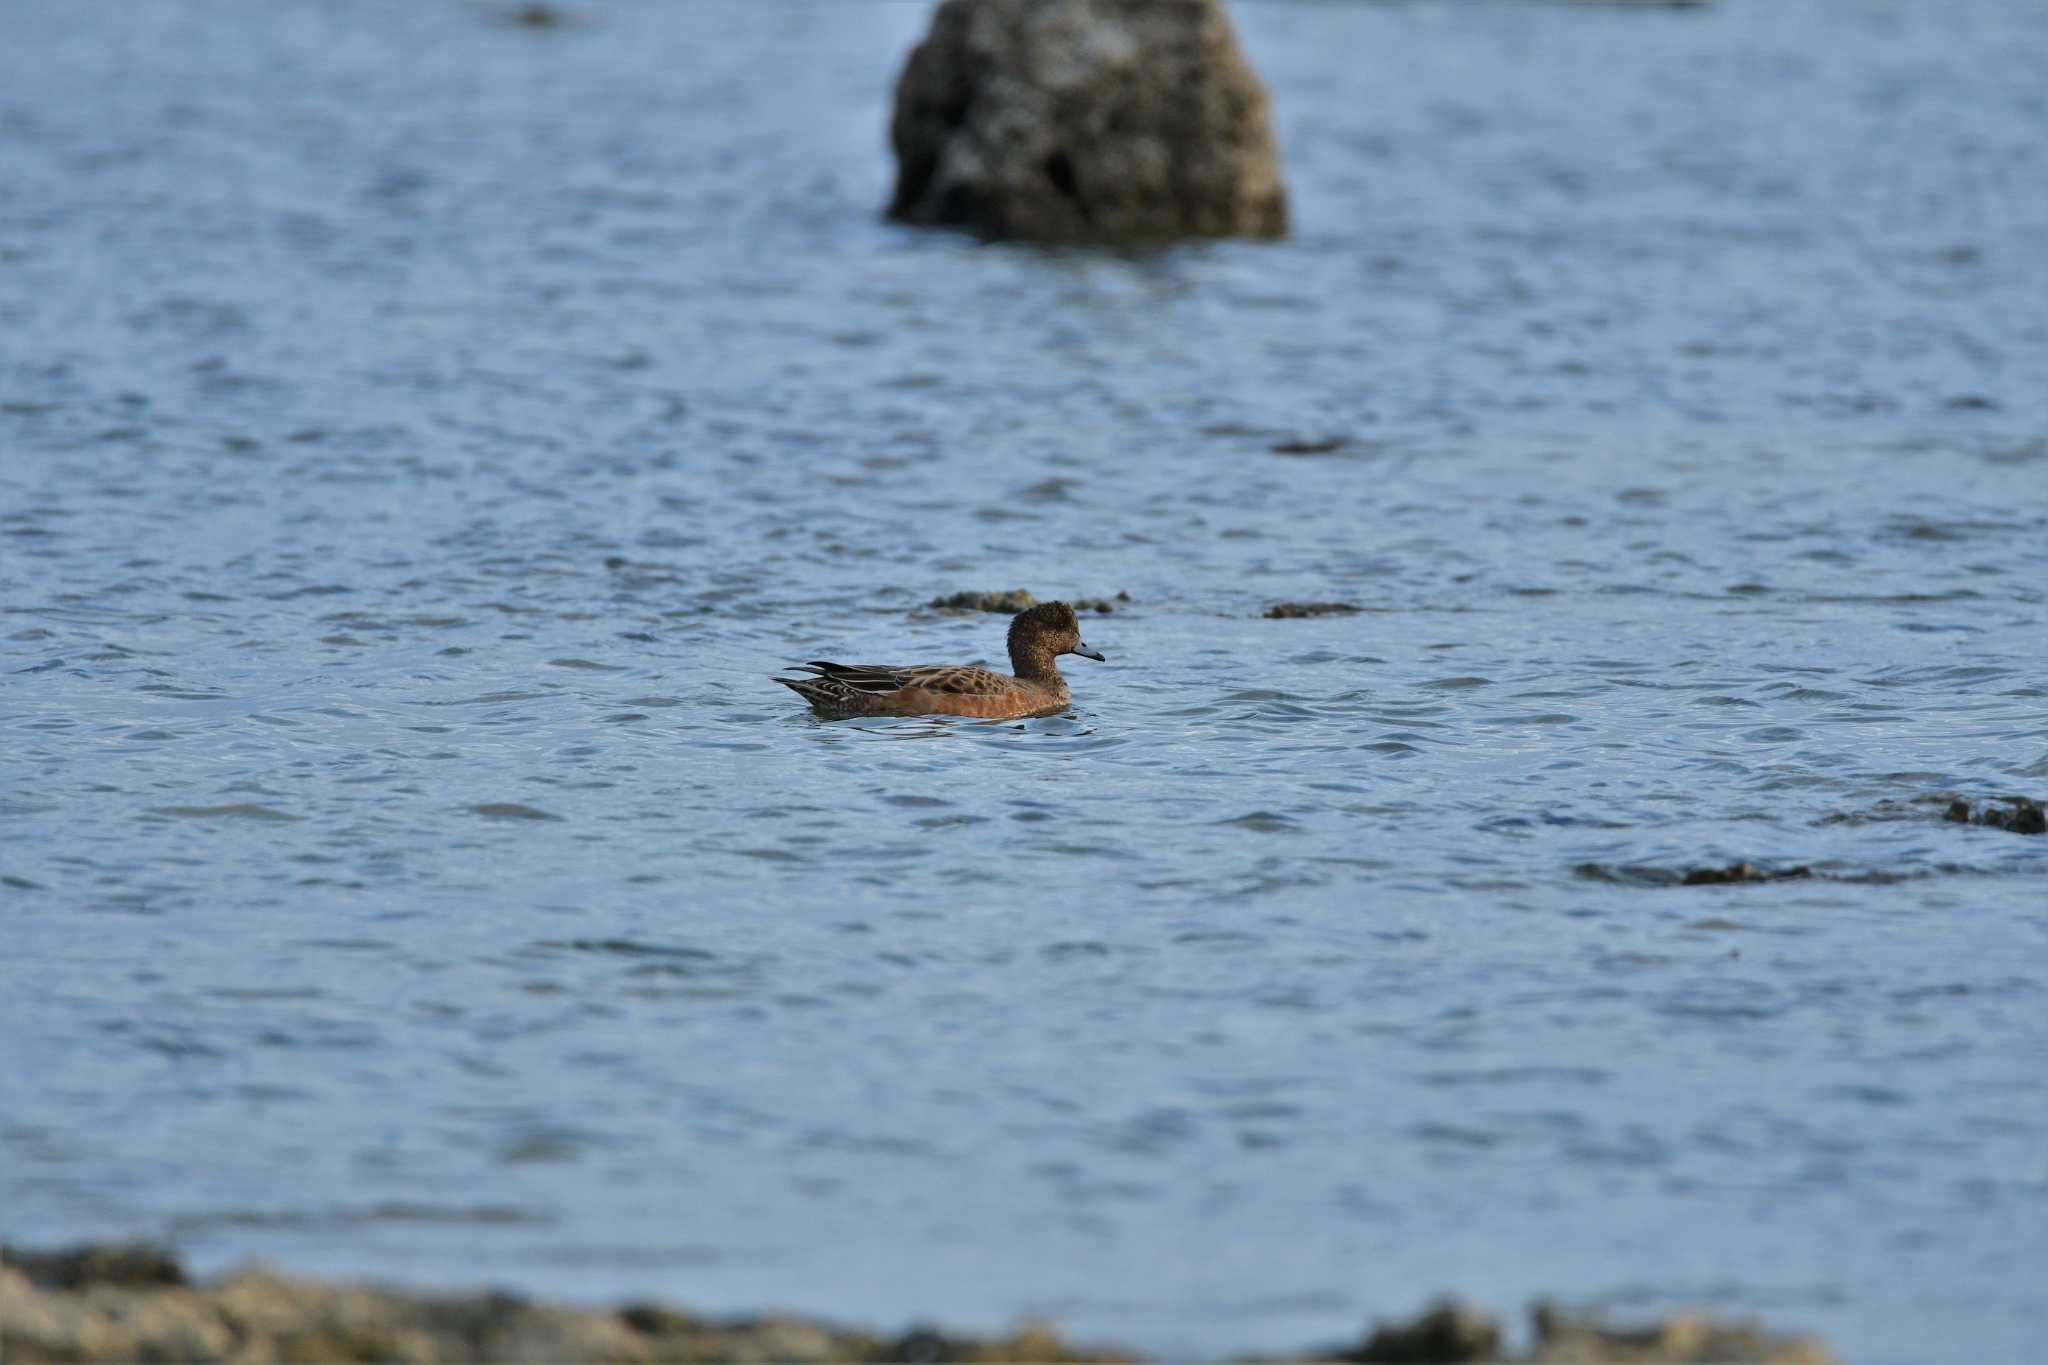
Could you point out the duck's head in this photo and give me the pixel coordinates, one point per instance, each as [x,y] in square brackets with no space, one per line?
[1047,631]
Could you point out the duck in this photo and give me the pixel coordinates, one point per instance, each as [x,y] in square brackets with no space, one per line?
[1038,636]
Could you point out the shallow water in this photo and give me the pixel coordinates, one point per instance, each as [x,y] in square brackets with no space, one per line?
[421,438]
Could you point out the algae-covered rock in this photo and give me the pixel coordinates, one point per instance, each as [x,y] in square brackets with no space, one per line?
[1564,1338]
[1452,1333]
[1011,602]
[1016,600]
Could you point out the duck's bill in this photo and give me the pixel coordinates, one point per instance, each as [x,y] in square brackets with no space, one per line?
[1087,653]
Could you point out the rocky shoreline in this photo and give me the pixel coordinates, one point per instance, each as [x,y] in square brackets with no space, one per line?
[135,1302]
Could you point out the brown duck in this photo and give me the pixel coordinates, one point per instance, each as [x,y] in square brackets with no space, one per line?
[1037,638]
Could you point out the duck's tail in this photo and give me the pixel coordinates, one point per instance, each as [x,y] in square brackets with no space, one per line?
[823,692]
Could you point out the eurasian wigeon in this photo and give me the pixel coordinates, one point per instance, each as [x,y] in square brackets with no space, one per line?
[1037,638]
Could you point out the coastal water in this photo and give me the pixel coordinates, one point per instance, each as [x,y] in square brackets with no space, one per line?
[422,436]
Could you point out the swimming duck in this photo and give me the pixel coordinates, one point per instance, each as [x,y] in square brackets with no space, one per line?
[1037,638]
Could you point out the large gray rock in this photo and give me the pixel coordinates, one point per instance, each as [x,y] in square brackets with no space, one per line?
[1086,121]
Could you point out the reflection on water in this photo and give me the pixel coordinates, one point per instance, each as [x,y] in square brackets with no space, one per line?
[423,438]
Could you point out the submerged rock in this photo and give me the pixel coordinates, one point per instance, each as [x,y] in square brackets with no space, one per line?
[1010,602]
[122,1263]
[1098,121]
[1016,600]
[2025,817]
[1446,1333]
[1310,445]
[1288,611]
[1742,872]
[1645,874]
[536,16]
[2019,814]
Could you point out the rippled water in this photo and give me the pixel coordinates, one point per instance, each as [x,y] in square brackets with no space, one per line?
[421,438]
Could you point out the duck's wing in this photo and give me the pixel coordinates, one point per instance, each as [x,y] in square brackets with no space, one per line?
[876,680]
[872,679]
[958,680]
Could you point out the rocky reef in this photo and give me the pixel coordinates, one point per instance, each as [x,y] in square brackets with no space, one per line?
[135,1302]
[109,1304]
